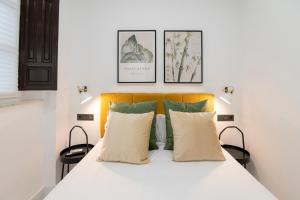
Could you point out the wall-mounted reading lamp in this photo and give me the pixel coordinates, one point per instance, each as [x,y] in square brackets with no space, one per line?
[84,95]
[227,96]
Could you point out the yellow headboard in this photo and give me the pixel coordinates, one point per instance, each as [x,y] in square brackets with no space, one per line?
[107,98]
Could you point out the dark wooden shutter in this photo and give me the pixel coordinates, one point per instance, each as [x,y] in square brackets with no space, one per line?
[38,45]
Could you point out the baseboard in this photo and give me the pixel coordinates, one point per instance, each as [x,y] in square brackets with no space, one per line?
[41,193]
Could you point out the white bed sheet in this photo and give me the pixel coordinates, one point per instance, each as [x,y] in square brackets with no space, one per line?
[162,179]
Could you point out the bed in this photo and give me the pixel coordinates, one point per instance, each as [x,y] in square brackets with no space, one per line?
[162,178]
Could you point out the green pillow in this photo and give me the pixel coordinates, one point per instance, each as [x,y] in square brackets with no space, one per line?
[181,107]
[141,107]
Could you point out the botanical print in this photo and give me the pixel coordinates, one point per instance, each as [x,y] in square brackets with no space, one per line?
[136,56]
[133,52]
[183,56]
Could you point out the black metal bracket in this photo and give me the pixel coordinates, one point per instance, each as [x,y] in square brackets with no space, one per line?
[246,154]
[234,127]
[86,136]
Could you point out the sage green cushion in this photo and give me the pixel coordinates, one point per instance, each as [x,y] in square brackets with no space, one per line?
[141,107]
[181,107]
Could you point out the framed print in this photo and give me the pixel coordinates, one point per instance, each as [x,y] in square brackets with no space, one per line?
[183,56]
[136,56]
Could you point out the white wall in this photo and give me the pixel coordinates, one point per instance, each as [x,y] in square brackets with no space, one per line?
[49,119]
[270,92]
[88,48]
[34,120]
[21,147]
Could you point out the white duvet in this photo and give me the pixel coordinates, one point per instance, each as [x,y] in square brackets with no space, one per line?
[162,179]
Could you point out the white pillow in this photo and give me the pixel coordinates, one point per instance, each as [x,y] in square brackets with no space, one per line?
[195,136]
[126,138]
[161,134]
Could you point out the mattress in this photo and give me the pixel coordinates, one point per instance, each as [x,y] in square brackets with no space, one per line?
[162,179]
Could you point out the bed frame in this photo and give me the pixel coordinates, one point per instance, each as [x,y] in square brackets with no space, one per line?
[107,98]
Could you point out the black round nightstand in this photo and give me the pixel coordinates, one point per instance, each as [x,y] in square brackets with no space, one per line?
[75,157]
[240,154]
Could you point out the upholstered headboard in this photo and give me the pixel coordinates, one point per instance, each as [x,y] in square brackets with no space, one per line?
[107,98]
